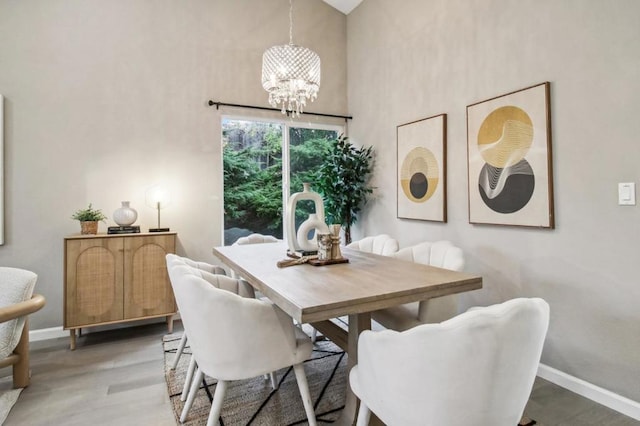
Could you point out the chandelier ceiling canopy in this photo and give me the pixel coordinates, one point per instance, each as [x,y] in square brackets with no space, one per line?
[291,74]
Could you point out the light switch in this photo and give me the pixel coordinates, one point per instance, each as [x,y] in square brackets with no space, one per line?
[627,194]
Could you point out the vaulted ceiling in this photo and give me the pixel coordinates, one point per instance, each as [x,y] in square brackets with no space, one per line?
[344,6]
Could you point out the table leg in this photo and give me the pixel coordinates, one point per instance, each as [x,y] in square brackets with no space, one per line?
[357,324]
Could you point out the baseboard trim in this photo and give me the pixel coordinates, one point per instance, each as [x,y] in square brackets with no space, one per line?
[57,332]
[616,402]
[47,333]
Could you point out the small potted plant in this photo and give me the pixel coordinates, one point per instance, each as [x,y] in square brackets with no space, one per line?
[89,219]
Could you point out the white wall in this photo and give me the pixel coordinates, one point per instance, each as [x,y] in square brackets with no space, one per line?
[416,58]
[104,99]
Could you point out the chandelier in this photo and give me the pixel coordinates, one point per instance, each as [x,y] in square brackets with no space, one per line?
[291,74]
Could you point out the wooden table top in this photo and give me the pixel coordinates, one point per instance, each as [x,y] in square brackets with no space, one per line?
[367,283]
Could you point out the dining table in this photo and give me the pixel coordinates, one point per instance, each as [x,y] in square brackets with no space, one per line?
[317,294]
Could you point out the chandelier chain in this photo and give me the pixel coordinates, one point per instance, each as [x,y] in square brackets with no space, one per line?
[290,21]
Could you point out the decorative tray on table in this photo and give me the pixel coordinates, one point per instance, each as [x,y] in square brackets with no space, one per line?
[318,262]
[310,258]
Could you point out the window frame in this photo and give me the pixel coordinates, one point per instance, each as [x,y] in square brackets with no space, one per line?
[287,124]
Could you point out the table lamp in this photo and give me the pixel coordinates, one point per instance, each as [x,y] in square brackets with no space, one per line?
[156,197]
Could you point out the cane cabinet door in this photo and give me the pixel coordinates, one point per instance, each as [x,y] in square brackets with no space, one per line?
[147,287]
[94,281]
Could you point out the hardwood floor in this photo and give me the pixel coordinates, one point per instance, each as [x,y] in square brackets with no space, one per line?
[116,378]
[112,378]
[550,404]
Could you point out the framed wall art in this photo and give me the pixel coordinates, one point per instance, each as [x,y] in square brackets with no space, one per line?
[509,159]
[422,170]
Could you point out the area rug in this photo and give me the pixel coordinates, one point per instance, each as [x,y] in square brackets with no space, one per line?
[8,397]
[254,402]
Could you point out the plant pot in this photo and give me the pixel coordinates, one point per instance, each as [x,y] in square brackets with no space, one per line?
[89,227]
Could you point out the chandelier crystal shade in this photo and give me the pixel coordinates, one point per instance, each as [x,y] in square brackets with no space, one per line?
[291,74]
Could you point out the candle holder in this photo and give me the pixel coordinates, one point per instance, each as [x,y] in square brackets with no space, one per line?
[335,241]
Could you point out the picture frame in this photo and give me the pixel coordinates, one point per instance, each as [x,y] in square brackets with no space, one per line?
[422,169]
[509,159]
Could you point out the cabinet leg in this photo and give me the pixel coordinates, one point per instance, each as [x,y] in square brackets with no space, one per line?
[72,344]
[170,324]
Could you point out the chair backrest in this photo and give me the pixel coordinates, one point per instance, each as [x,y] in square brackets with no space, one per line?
[212,269]
[256,239]
[214,275]
[232,337]
[476,368]
[380,244]
[17,286]
[442,254]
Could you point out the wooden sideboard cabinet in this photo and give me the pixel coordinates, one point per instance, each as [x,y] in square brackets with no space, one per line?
[115,278]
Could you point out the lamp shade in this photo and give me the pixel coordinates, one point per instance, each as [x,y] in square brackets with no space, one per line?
[157,197]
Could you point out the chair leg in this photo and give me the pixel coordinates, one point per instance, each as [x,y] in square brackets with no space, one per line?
[187,379]
[216,404]
[183,343]
[301,378]
[314,335]
[274,380]
[364,414]
[192,394]
[21,368]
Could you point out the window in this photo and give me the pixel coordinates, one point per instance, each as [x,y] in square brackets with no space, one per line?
[263,163]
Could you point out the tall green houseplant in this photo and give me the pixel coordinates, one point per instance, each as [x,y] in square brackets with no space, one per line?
[343,181]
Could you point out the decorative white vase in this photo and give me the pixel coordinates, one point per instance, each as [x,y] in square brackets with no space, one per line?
[312,223]
[125,215]
[290,218]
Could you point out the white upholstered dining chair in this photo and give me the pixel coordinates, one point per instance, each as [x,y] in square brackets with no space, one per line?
[224,331]
[203,266]
[212,274]
[17,302]
[380,244]
[442,254]
[477,368]
[256,239]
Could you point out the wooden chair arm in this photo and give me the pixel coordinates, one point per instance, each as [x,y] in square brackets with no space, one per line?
[23,308]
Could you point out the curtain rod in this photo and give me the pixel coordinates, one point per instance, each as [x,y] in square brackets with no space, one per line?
[219,104]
